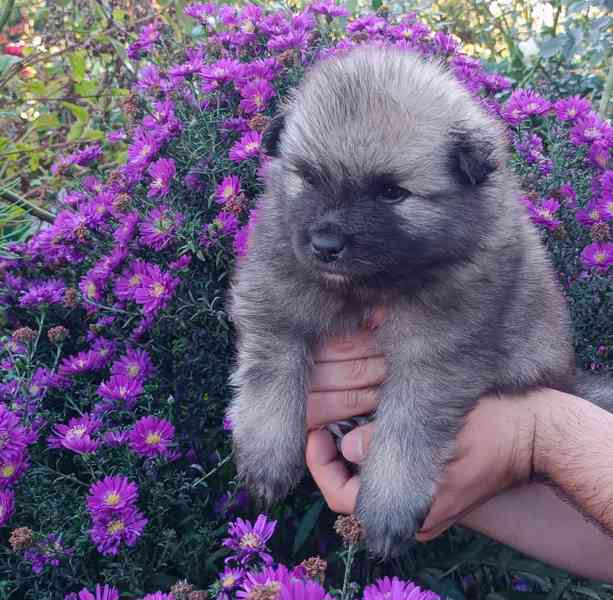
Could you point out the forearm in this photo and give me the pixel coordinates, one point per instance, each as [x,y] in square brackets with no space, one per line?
[534,520]
[573,448]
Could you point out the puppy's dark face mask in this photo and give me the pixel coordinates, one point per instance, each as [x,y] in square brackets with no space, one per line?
[355,220]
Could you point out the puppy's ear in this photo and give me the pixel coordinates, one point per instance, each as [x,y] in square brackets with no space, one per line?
[272,134]
[471,159]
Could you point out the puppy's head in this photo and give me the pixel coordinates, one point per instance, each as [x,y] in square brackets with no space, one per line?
[383,166]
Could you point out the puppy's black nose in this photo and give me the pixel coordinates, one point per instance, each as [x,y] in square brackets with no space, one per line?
[327,246]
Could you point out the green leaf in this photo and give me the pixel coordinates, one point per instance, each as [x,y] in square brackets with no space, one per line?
[120,92]
[86,88]
[80,113]
[93,134]
[75,132]
[306,525]
[77,64]
[47,121]
[35,87]
[376,4]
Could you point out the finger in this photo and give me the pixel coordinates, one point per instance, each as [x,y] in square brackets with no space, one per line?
[426,535]
[338,486]
[357,345]
[354,445]
[329,407]
[350,374]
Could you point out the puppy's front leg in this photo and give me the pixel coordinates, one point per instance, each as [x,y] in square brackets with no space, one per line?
[268,412]
[421,409]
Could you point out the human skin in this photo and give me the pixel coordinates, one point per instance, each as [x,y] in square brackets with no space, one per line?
[505,443]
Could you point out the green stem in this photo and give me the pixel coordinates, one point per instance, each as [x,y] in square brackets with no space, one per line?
[348,564]
[39,213]
[212,471]
[6,13]
[606,93]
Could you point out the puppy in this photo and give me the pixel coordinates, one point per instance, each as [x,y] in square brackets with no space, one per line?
[389,185]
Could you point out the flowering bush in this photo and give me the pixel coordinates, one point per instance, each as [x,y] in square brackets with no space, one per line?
[115,465]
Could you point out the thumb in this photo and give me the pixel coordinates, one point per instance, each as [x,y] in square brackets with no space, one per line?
[355,444]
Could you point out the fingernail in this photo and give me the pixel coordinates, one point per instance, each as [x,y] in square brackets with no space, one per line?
[353,446]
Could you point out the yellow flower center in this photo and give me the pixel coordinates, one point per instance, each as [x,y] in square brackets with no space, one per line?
[135,280]
[123,391]
[91,289]
[252,146]
[609,208]
[115,526]
[76,432]
[258,100]
[34,389]
[157,289]
[545,213]
[80,363]
[591,133]
[8,470]
[250,540]
[228,192]
[532,106]
[153,438]
[133,370]
[145,150]
[157,183]
[600,256]
[595,215]
[228,581]
[112,499]
[572,112]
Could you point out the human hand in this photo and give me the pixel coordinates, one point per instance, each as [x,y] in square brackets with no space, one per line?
[493,450]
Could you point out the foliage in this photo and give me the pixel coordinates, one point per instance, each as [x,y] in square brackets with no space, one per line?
[117,347]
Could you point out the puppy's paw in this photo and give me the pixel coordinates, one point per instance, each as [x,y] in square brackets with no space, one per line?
[392,510]
[269,459]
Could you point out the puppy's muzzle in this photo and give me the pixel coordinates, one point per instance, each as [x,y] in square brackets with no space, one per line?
[327,246]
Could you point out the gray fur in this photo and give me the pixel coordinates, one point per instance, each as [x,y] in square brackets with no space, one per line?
[473,302]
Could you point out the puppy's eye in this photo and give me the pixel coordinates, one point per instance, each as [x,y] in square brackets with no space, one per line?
[393,194]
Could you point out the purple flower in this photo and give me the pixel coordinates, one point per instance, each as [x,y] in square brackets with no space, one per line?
[158,596]
[142,150]
[228,189]
[396,589]
[269,575]
[369,23]
[543,212]
[48,552]
[105,592]
[124,234]
[524,104]
[7,505]
[12,468]
[448,44]
[111,529]
[12,434]
[151,437]
[115,438]
[256,95]
[47,292]
[590,128]
[87,155]
[598,255]
[160,228]
[148,35]
[222,71]
[131,279]
[571,109]
[156,289]
[113,494]
[590,215]
[136,364]
[162,171]
[181,263]
[202,12]
[230,578]
[117,135]
[293,39]
[329,8]
[308,590]
[249,541]
[148,79]
[122,389]
[76,436]
[79,363]
[600,153]
[247,147]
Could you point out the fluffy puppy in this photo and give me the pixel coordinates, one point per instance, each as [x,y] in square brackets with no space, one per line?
[389,185]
